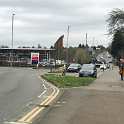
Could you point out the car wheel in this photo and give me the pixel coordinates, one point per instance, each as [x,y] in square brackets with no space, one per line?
[95,75]
[80,75]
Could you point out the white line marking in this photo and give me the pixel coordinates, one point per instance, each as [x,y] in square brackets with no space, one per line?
[44,87]
[42,93]
[64,102]
[15,123]
[45,90]
[31,115]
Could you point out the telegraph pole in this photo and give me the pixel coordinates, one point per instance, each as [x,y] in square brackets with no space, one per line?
[86,40]
[67,44]
[93,44]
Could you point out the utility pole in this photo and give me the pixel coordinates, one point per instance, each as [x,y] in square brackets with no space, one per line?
[93,42]
[67,45]
[82,41]
[93,49]
[86,40]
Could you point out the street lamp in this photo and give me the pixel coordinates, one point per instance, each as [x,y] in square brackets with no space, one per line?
[12,39]
[12,27]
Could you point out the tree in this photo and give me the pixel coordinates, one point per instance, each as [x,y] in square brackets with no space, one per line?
[4,46]
[39,46]
[83,46]
[109,48]
[115,20]
[79,46]
[101,47]
[71,54]
[52,47]
[33,46]
[116,29]
[82,56]
[117,46]
[94,47]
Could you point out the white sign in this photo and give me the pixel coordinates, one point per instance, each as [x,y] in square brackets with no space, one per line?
[35,58]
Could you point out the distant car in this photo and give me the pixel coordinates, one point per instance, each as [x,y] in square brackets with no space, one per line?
[88,70]
[44,64]
[103,67]
[98,64]
[108,65]
[74,68]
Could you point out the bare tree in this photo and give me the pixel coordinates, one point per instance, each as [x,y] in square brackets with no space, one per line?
[115,20]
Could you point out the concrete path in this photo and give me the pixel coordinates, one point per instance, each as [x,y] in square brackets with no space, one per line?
[100,103]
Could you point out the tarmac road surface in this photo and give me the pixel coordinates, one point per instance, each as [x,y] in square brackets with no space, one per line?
[20,91]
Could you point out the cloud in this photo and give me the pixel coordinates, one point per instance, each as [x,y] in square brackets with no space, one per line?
[43,21]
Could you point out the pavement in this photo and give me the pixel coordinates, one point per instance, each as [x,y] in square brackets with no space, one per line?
[100,103]
[108,80]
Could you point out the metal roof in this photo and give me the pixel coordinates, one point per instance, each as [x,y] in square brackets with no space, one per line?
[38,49]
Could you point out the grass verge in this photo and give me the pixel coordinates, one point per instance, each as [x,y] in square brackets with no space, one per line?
[68,81]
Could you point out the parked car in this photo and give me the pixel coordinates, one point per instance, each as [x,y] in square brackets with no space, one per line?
[74,68]
[46,64]
[103,67]
[88,70]
[43,64]
[108,65]
[98,64]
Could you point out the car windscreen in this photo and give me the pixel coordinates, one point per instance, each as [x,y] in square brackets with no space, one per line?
[87,67]
[74,65]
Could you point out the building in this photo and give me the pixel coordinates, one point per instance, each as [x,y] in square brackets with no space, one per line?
[22,56]
[59,42]
[59,47]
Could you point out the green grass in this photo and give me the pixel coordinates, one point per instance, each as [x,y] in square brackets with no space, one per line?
[68,81]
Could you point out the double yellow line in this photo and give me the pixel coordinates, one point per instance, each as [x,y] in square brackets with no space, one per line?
[28,118]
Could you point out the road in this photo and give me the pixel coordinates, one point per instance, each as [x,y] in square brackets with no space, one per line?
[100,103]
[20,91]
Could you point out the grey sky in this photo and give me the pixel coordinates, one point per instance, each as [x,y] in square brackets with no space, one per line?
[43,21]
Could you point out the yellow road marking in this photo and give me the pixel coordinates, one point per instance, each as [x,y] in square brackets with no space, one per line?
[32,114]
[36,113]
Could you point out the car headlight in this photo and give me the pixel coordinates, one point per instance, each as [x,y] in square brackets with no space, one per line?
[81,72]
[91,72]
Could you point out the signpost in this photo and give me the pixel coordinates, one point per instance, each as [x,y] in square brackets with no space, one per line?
[34,58]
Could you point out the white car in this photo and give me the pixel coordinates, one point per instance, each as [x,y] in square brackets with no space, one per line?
[103,67]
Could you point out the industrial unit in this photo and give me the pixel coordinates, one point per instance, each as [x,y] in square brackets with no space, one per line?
[22,56]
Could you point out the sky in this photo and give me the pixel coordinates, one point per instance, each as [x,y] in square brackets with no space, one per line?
[44,21]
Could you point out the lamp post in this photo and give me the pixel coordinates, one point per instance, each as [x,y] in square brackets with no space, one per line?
[12,38]
[12,27]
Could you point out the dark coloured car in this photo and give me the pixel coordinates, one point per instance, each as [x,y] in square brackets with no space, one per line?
[74,68]
[88,70]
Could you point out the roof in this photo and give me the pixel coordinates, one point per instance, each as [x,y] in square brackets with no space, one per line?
[38,49]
